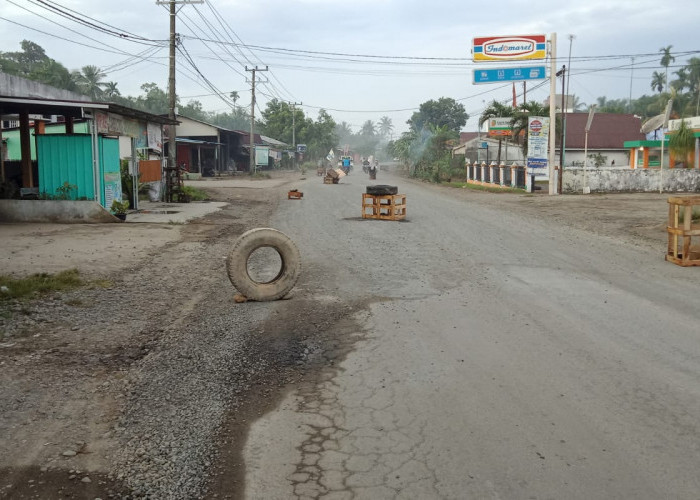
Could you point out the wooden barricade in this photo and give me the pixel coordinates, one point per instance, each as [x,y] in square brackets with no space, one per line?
[384,207]
[680,251]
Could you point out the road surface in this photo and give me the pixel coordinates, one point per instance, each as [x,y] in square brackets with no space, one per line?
[488,354]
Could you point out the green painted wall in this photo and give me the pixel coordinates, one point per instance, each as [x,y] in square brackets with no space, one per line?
[66,158]
[13,144]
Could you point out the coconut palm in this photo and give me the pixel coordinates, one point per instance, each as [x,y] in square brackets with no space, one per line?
[520,119]
[496,110]
[658,81]
[89,81]
[368,128]
[666,58]
[111,90]
[385,126]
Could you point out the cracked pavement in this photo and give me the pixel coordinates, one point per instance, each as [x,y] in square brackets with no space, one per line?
[492,355]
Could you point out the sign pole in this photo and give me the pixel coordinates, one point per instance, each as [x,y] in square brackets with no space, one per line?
[667,114]
[552,110]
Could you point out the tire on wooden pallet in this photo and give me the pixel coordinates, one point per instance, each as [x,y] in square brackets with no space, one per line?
[249,242]
[382,190]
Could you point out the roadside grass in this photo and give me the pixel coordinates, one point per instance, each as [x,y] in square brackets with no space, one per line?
[478,187]
[261,175]
[38,284]
[195,194]
[43,283]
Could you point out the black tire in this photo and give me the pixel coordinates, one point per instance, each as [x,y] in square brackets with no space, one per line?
[245,245]
[382,190]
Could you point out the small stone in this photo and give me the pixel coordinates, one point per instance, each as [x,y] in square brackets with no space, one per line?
[69,453]
[75,328]
[86,479]
[72,476]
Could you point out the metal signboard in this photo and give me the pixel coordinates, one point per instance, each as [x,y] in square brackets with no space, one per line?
[509,74]
[537,144]
[301,148]
[509,48]
[499,127]
[261,155]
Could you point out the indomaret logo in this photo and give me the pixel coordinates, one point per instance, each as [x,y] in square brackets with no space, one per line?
[509,47]
[499,48]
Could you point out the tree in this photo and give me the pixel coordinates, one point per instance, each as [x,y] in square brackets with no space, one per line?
[682,143]
[111,90]
[368,129]
[658,81]
[89,81]
[496,110]
[443,112]
[520,120]
[385,126]
[154,99]
[343,132]
[666,58]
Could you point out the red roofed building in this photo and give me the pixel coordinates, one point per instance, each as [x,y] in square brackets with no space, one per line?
[607,137]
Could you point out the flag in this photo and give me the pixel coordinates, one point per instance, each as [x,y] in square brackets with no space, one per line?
[515,104]
[331,155]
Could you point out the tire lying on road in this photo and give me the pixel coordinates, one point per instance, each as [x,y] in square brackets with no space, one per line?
[382,190]
[249,242]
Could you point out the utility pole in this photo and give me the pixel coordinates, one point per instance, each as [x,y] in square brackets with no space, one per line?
[252,117]
[562,73]
[294,131]
[631,79]
[171,170]
[551,156]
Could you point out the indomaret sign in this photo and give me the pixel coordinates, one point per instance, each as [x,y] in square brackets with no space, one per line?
[509,48]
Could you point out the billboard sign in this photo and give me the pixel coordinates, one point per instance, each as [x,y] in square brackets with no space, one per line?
[500,127]
[509,74]
[537,144]
[301,148]
[509,48]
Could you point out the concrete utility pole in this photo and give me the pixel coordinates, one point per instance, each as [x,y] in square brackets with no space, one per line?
[552,110]
[252,117]
[294,132]
[171,171]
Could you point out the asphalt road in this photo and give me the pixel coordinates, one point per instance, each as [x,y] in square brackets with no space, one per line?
[491,355]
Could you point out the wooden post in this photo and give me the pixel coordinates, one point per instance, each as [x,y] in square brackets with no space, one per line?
[26,150]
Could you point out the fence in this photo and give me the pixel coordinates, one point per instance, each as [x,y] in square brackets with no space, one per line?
[625,179]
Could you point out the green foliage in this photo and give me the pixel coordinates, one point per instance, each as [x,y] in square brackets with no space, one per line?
[38,284]
[194,193]
[445,112]
[65,191]
[598,159]
[119,206]
[682,143]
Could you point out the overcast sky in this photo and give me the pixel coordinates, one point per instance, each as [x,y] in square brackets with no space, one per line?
[353,87]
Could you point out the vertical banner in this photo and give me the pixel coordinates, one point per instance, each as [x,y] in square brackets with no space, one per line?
[537,145]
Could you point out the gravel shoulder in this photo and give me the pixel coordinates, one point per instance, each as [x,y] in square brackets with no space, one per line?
[147,386]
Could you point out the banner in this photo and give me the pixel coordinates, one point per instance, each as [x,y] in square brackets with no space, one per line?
[537,145]
[330,155]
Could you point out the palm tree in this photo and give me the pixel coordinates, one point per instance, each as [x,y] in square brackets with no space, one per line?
[89,81]
[495,110]
[368,128]
[576,103]
[666,58]
[234,97]
[111,90]
[520,119]
[385,126]
[658,81]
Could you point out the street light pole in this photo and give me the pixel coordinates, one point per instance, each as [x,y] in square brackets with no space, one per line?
[591,112]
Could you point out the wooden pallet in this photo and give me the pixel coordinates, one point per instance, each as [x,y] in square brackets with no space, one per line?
[295,195]
[680,250]
[384,207]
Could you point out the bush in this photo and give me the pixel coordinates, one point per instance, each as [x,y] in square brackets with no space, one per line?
[194,194]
